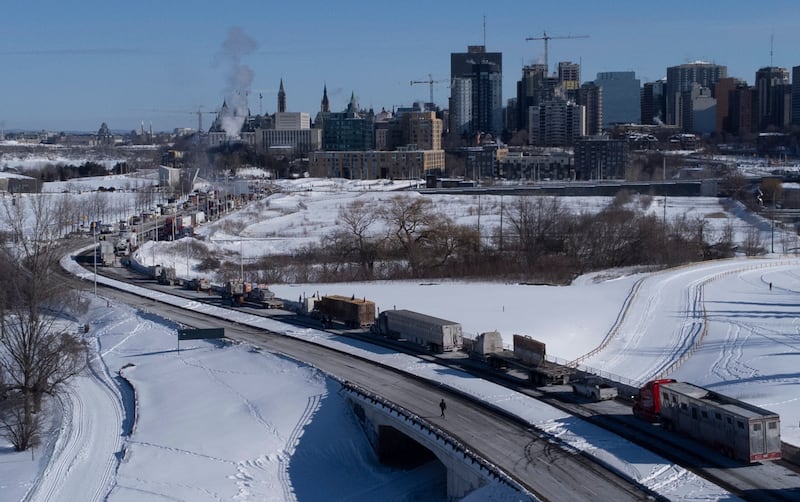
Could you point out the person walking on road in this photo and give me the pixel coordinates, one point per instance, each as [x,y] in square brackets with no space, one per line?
[442,406]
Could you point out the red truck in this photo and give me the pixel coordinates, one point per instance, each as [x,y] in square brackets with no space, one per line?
[735,428]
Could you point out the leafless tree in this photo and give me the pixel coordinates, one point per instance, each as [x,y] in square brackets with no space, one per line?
[36,359]
[410,221]
[752,245]
[355,238]
[536,226]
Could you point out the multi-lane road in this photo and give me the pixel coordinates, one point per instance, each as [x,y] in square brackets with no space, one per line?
[529,457]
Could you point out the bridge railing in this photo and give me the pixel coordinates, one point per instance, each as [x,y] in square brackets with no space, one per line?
[468,455]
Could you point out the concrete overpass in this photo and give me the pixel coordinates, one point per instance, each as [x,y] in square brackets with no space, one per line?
[402,438]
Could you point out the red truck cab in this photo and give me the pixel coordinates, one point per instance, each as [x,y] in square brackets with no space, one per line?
[647,404]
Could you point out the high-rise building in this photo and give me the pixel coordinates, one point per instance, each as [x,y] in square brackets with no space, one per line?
[477,80]
[531,89]
[621,97]
[796,95]
[722,90]
[569,75]
[698,110]
[556,122]
[772,84]
[741,106]
[590,95]
[653,102]
[681,77]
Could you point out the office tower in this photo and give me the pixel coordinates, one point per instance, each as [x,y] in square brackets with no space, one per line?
[590,95]
[556,122]
[796,95]
[741,106]
[531,89]
[698,110]
[569,75]
[621,97]
[477,91]
[680,78]
[772,84]
[653,102]
[722,91]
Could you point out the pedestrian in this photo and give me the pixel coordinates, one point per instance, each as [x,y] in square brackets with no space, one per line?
[443,407]
[770,286]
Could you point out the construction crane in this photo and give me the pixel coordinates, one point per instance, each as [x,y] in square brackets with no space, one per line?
[547,38]
[430,82]
[199,114]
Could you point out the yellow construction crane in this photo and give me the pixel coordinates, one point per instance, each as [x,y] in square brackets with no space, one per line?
[547,38]
[430,81]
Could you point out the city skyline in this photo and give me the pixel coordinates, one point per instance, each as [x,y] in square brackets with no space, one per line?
[72,68]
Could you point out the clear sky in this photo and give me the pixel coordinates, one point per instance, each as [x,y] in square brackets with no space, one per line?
[74,65]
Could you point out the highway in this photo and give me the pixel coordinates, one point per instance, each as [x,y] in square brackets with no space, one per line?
[533,460]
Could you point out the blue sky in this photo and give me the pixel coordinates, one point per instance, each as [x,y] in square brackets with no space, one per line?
[74,65]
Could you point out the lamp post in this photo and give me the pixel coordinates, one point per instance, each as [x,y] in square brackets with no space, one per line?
[94,236]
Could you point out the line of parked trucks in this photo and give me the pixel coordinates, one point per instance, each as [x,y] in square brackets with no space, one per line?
[732,427]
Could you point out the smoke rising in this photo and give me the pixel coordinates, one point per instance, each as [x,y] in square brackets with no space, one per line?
[240,76]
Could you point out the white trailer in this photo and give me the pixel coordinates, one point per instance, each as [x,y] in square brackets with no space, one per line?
[433,333]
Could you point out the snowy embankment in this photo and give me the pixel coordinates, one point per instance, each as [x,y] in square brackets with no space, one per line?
[637,463]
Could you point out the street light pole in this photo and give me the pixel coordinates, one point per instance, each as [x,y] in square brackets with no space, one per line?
[94,235]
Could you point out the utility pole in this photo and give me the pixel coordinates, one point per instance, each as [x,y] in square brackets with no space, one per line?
[547,39]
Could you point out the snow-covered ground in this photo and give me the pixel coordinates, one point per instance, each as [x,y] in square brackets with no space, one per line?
[744,343]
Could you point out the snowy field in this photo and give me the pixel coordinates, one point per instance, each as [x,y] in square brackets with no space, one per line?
[716,324]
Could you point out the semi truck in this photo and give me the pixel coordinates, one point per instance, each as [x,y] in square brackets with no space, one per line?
[734,428]
[433,333]
[352,312]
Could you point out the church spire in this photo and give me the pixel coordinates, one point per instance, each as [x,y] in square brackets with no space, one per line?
[325,105]
[281,99]
[353,106]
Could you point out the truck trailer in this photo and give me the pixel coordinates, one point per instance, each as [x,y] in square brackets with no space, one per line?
[436,335]
[736,429]
[352,312]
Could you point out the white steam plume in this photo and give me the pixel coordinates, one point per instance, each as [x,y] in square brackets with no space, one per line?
[240,77]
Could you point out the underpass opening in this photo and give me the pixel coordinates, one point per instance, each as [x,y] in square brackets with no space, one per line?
[398,450]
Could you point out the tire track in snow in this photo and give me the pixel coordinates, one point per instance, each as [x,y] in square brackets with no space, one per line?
[312,404]
[243,476]
[89,446]
[628,336]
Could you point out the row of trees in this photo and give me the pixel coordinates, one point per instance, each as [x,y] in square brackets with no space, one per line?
[37,357]
[538,239]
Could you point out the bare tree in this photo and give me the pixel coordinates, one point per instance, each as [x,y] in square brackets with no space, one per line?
[536,226]
[410,222]
[36,359]
[355,239]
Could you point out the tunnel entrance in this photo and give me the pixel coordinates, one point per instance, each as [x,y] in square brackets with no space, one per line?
[396,449]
